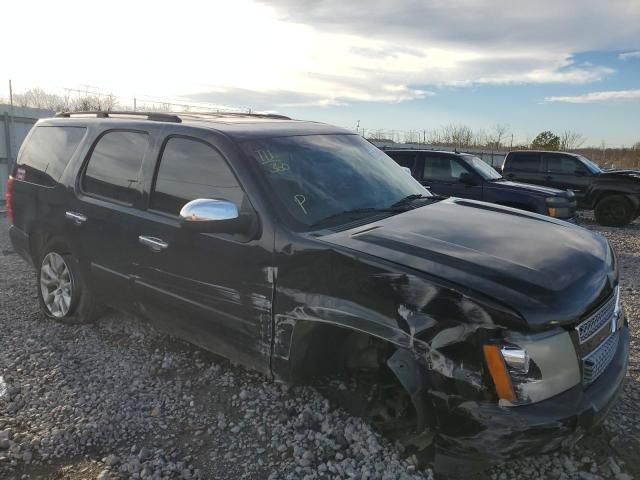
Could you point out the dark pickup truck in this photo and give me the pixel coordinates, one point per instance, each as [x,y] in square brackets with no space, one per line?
[614,195]
[467,176]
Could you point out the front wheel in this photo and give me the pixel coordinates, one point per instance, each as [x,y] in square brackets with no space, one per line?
[614,211]
[63,293]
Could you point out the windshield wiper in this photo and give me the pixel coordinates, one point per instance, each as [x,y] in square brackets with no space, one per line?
[408,199]
[352,212]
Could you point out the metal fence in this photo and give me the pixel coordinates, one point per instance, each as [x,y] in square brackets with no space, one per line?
[492,157]
[15,124]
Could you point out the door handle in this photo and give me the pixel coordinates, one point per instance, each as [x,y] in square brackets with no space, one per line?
[154,244]
[548,178]
[510,175]
[75,217]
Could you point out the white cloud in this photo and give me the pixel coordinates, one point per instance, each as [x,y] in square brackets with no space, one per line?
[309,52]
[628,55]
[599,97]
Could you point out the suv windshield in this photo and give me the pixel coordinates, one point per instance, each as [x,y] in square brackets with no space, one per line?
[591,166]
[319,177]
[485,170]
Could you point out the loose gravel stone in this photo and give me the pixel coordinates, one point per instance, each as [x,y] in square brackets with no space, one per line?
[123,399]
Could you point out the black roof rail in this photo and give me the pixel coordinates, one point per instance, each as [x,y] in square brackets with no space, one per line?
[238,114]
[155,116]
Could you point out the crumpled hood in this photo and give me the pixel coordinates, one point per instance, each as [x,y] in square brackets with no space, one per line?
[542,190]
[549,271]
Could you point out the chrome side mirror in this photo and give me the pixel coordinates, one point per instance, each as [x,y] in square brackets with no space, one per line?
[407,170]
[210,215]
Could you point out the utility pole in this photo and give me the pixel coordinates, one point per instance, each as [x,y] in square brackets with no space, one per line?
[511,147]
[358,126]
[135,106]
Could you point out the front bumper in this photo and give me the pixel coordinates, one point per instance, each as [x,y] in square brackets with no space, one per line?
[476,435]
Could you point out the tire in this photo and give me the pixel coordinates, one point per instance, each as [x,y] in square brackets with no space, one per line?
[614,211]
[63,292]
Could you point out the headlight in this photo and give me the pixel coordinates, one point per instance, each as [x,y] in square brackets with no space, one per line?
[558,207]
[531,368]
[516,358]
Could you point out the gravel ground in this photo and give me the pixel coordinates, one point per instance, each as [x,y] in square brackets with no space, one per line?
[121,399]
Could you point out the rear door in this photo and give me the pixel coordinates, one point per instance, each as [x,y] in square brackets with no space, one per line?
[104,213]
[566,173]
[213,289]
[525,167]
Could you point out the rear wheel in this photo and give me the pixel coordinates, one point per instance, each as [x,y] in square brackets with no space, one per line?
[63,293]
[614,211]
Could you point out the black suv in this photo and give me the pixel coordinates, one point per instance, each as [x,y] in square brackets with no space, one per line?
[613,194]
[467,176]
[303,251]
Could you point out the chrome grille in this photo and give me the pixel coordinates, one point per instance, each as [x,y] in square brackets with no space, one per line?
[597,361]
[594,322]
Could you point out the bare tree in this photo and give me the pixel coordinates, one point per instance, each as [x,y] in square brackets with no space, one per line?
[457,135]
[497,135]
[571,140]
[412,136]
[38,98]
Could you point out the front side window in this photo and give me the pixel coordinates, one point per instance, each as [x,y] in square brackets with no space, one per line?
[48,151]
[591,166]
[563,164]
[191,169]
[315,177]
[442,168]
[113,170]
[485,170]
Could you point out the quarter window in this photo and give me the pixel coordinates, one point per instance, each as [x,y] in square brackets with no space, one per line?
[191,169]
[48,151]
[113,170]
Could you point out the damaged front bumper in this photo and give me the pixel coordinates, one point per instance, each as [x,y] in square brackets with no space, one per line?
[474,435]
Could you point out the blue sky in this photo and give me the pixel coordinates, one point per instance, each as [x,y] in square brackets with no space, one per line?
[520,106]
[394,65]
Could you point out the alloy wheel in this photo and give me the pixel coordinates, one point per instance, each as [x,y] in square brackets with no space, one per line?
[56,284]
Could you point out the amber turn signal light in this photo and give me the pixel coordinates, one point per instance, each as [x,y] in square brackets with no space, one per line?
[499,372]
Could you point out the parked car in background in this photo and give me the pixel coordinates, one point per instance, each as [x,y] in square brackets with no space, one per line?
[467,176]
[476,332]
[614,195]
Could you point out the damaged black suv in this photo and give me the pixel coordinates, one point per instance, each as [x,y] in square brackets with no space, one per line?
[304,252]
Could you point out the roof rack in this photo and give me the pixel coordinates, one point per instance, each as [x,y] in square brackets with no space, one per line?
[238,114]
[157,117]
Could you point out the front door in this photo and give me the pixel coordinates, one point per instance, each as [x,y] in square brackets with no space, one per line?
[441,174]
[213,289]
[526,167]
[567,172]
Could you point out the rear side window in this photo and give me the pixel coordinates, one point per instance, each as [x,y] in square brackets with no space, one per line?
[113,170]
[404,159]
[191,169]
[47,153]
[525,161]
